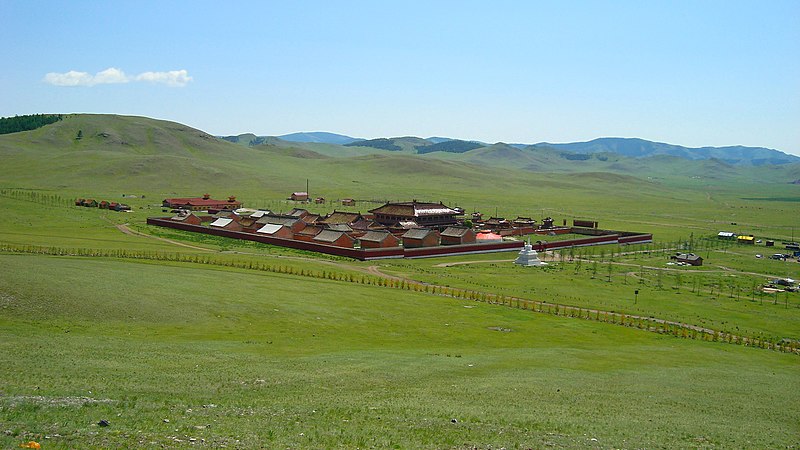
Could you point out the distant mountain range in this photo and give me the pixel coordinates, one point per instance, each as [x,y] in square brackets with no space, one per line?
[126,150]
[319,137]
[628,147]
[640,148]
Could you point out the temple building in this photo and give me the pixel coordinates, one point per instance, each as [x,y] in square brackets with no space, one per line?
[432,215]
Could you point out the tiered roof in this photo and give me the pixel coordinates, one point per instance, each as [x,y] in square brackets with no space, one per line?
[415,209]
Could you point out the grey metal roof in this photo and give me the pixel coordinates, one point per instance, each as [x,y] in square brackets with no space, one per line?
[454,231]
[375,236]
[288,221]
[328,236]
[417,233]
[340,227]
[297,212]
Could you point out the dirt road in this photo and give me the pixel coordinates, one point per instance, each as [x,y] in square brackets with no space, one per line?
[125,229]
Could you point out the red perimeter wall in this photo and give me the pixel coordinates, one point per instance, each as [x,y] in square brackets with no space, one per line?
[400,252]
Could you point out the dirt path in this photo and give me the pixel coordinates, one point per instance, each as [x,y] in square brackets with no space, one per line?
[373,270]
[125,229]
[461,263]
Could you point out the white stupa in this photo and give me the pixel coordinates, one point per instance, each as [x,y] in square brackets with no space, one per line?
[528,256]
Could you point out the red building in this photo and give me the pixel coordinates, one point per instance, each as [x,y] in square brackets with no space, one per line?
[294,223]
[457,235]
[497,224]
[584,223]
[299,196]
[378,239]
[340,217]
[203,203]
[420,237]
[226,224]
[337,238]
[187,218]
[279,231]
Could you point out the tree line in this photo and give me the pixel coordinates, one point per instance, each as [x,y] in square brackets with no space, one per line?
[28,122]
[36,197]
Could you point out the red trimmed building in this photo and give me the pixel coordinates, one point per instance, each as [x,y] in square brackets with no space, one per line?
[203,203]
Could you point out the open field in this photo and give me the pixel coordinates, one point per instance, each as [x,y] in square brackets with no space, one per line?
[726,299]
[153,323]
[244,359]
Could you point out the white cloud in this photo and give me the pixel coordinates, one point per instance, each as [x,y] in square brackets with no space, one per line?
[174,78]
[71,78]
[112,75]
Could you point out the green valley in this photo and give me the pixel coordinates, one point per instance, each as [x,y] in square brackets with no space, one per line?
[176,339]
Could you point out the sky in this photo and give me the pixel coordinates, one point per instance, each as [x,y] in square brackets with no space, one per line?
[693,73]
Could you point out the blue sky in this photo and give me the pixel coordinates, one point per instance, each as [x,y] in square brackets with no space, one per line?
[694,73]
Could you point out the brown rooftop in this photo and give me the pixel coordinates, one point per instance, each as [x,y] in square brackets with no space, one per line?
[414,209]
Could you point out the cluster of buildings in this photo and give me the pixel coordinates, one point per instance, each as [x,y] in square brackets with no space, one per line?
[393,230]
[102,204]
[408,224]
[740,238]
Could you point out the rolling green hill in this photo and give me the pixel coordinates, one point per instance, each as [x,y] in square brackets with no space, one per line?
[452,146]
[408,144]
[118,154]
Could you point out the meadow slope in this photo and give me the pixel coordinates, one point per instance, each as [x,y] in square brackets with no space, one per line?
[178,339]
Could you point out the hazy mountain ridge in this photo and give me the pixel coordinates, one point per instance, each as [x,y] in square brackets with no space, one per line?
[319,137]
[640,148]
[576,151]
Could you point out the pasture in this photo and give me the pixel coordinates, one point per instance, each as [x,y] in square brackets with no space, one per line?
[179,353]
[180,339]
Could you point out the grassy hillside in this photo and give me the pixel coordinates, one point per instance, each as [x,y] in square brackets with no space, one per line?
[248,360]
[130,155]
[408,144]
[452,146]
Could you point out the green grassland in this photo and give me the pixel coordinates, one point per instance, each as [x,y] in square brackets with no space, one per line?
[724,294]
[164,324]
[248,360]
